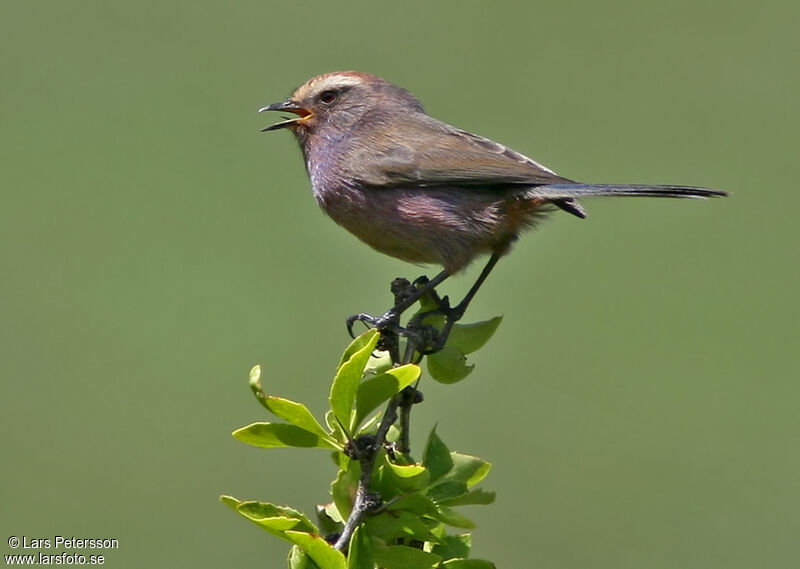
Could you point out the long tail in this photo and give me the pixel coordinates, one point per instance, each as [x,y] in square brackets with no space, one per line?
[564,195]
[561,191]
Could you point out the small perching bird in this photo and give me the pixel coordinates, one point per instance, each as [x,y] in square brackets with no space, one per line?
[421,190]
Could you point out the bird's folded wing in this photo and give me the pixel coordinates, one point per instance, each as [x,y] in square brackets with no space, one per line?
[427,152]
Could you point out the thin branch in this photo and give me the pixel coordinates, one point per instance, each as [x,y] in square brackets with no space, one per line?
[362,504]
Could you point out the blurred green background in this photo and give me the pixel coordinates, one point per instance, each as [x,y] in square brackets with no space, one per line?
[640,400]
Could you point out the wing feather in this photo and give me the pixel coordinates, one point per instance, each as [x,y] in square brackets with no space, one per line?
[426,152]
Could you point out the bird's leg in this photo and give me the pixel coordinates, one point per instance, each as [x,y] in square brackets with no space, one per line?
[459,310]
[453,315]
[405,296]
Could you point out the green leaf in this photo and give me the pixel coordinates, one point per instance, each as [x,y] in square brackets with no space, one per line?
[379,362]
[335,428]
[276,435]
[452,518]
[359,554]
[345,384]
[257,511]
[297,414]
[343,489]
[478,497]
[229,501]
[370,425]
[358,344]
[406,470]
[255,383]
[437,457]
[395,525]
[454,546]
[402,557]
[403,478]
[415,503]
[318,549]
[328,519]
[468,564]
[393,435]
[448,365]
[274,519]
[438,529]
[275,525]
[471,337]
[333,513]
[446,490]
[381,388]
[299,559]
[468,469]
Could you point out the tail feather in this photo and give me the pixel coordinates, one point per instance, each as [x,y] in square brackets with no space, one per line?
[570,206]
[555,192]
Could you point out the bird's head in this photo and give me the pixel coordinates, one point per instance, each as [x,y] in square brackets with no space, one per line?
[331,104]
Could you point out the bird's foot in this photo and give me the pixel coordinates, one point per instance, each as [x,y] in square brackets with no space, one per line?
[423,336]
[405,293]
[436,338]
[390,321]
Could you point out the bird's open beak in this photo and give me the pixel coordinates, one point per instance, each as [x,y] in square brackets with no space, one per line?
[289,106]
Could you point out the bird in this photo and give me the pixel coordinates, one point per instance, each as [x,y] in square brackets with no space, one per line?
[421,190]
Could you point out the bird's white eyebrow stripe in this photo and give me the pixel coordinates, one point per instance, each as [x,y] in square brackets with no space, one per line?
[338,81]
[326,82]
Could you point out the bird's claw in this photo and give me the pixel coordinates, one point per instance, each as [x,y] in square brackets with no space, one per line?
[361,317]
[388,321]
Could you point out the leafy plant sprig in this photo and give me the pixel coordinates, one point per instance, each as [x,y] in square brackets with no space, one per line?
[388,509]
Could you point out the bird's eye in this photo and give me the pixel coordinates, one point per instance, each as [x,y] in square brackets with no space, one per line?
[328,97]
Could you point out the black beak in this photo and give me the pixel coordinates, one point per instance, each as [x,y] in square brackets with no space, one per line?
[288,106]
